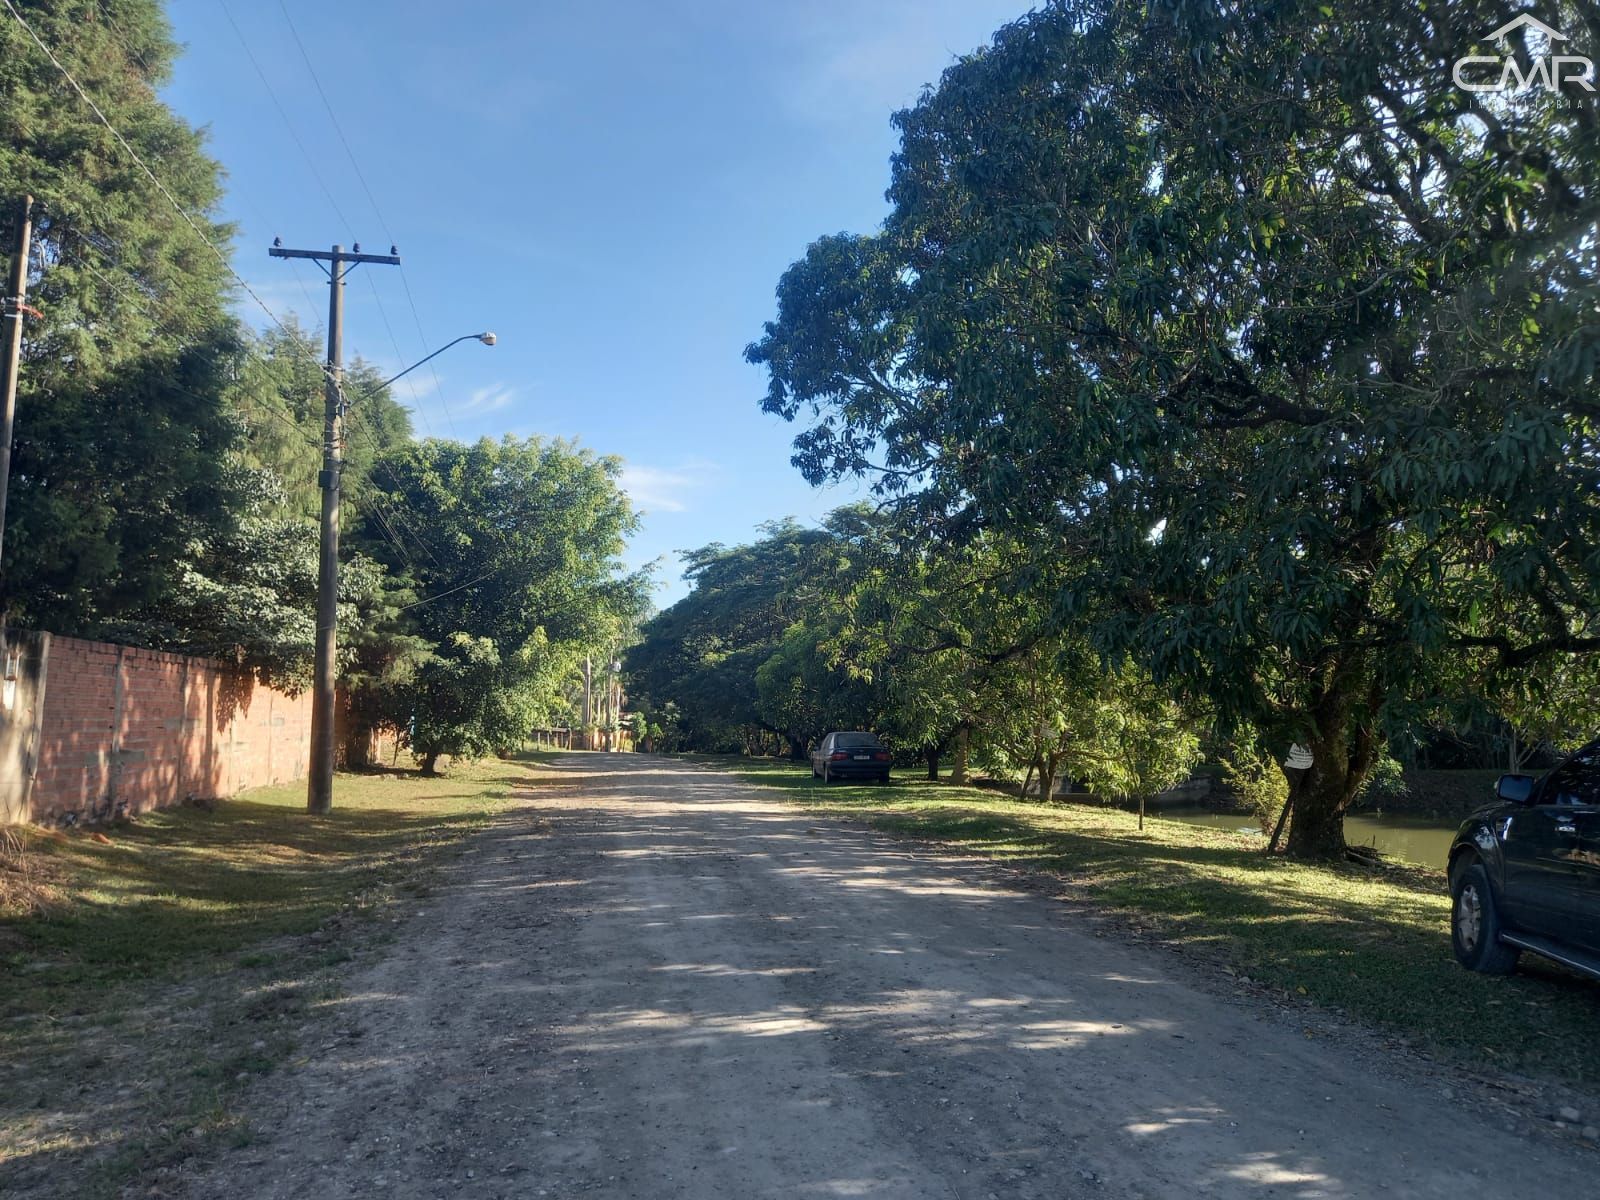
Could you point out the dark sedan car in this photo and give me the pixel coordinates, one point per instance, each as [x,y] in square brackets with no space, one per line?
[1525,873]
[854,755]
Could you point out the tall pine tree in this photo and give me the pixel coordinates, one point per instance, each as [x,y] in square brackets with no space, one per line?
[124,443]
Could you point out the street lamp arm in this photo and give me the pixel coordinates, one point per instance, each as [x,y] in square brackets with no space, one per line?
[488,339]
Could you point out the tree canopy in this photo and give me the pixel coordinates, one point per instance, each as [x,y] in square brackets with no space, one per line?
[939,651]
[515,566]
[1285,342]
[164,486]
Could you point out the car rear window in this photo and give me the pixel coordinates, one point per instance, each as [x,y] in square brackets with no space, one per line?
[857,741]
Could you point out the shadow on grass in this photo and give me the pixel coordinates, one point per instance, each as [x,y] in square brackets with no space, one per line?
[169,956]
[1373,942]
[186,883]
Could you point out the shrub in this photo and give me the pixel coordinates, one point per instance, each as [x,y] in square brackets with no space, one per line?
[1256,779]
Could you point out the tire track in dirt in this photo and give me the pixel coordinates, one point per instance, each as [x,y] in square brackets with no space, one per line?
[655,982]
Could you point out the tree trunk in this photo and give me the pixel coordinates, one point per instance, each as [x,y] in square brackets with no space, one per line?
[797,749]
[430,763]
[1343,746]
[930,755]
[357,743]
[1047,778]
[958,768]
[1316,826]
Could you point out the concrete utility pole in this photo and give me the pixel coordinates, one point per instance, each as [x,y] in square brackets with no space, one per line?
[15,309]
[338,263]
[588,704]
[614,701]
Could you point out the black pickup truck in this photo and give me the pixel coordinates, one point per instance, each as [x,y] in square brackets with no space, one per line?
[1525,872]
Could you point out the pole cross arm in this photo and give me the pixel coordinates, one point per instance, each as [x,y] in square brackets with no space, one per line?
[342,256]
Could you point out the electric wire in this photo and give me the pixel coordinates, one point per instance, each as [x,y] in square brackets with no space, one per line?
[311,163]
[452,591]
[377,210]
[166,325]
[316,174]
[178,208]
[422,340]
[222,258]
[354,431]
[332,116]
[411,385]
[121,38]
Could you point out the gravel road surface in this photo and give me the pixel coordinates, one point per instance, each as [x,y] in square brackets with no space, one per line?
[656,981]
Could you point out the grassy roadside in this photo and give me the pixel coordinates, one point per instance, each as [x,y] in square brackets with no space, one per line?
[1374,944]
[180,955]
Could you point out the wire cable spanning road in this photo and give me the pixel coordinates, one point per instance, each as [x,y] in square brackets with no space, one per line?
[655,982]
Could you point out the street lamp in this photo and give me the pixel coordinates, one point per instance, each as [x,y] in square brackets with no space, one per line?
[319,782]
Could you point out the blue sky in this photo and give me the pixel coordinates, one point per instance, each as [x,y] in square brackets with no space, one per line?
[613,189]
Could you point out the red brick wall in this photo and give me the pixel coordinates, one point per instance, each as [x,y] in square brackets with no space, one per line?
[126,730]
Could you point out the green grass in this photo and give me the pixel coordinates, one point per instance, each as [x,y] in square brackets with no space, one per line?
[185,949]
[185,885]
[1373,943]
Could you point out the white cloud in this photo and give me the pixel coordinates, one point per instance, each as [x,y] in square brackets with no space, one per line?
[487,400]
[662,489]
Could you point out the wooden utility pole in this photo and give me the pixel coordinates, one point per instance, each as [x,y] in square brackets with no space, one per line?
[338,263]
[15,308]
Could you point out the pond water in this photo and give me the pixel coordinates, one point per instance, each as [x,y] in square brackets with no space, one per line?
[1424,840]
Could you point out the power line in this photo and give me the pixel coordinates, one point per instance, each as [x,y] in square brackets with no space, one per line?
[379,464]
[287,124]
[166,324]
[385,521]
[220,256]
[299,279]
[422,338]
[123,293]
[452,591]
[165,327]
[322,183]
[377,210]
[393,538]
[411,385]
[182,212]
[332,116]
[300,282]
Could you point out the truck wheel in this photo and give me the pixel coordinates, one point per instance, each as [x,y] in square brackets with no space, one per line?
[1475,925]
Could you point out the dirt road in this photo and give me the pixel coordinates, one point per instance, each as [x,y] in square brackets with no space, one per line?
[659,983]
